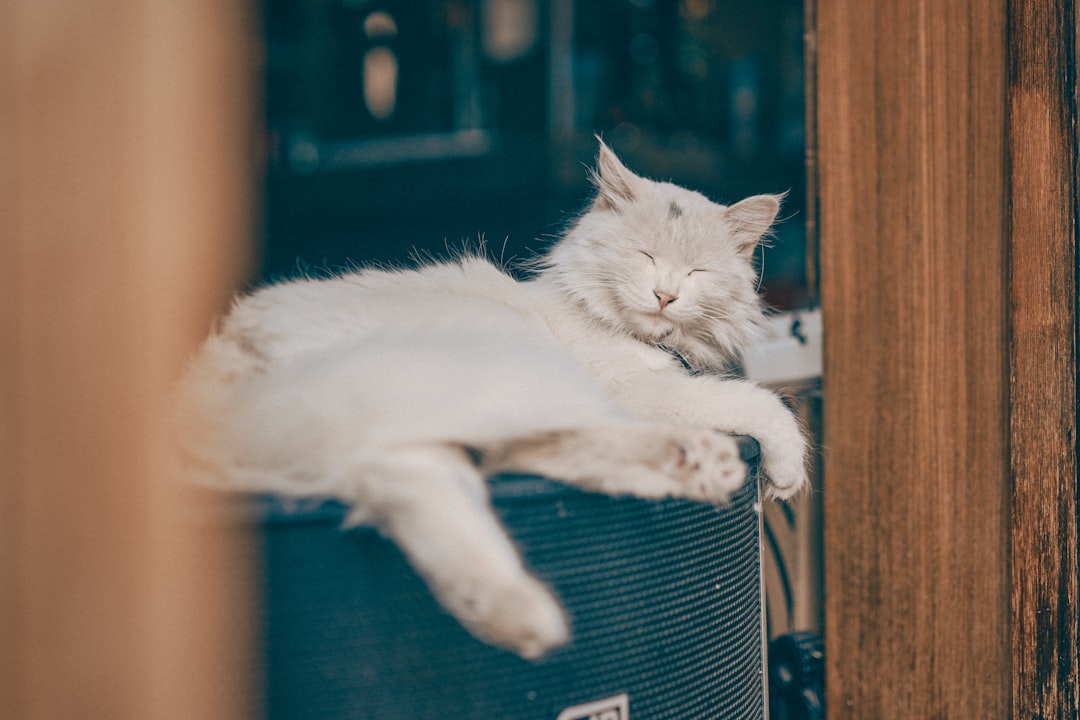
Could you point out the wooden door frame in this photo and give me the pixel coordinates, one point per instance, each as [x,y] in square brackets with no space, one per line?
[1042,239]
[947,167]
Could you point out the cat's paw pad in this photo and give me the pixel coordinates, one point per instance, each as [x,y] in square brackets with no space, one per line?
[521,616]
[708,465]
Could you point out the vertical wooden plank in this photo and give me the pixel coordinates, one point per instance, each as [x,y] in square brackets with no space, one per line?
[9,446]
[125,200]
[1043,209]
[912,189]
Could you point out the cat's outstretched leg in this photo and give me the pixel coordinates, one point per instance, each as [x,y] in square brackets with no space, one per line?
[432,502]
[734,406]
[645,460]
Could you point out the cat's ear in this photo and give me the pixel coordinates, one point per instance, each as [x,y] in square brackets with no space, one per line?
[750,220]
[614,183]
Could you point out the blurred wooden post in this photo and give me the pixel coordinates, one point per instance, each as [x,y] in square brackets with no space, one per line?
[126,159]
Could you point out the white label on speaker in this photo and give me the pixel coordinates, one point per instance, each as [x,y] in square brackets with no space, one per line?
[612,708]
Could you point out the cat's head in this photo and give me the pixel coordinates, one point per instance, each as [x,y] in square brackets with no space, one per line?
[665,264]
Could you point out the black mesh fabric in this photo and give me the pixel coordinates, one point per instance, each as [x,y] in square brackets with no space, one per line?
[664,599]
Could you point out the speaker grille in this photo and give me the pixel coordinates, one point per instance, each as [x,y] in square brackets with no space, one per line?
[665,601]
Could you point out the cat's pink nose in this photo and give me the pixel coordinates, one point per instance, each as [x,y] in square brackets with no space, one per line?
[664,298]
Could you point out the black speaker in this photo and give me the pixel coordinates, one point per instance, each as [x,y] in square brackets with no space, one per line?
[665,600]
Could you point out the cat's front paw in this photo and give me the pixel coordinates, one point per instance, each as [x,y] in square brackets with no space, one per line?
[707,465]
[784,465]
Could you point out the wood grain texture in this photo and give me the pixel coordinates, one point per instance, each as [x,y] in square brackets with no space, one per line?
[125,200]
[911,135]
[1043,206]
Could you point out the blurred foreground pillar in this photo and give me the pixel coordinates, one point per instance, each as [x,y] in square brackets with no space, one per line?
[126,181]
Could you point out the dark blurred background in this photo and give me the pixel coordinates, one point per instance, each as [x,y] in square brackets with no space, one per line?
[423,124]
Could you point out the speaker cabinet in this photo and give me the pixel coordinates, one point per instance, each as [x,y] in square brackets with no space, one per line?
[664,597]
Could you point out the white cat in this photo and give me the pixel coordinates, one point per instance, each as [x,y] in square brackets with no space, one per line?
[398,391]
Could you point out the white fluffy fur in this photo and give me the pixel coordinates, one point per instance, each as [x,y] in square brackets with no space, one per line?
[398,391]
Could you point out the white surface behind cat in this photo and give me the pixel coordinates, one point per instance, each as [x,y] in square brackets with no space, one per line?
[398,391]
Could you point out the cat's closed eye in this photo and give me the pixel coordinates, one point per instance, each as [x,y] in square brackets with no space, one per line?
[651,258]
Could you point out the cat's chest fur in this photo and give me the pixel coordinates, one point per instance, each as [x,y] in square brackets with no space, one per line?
[613,357]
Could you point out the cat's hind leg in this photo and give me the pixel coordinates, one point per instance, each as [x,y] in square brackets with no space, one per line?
[649,460]
[432,502]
